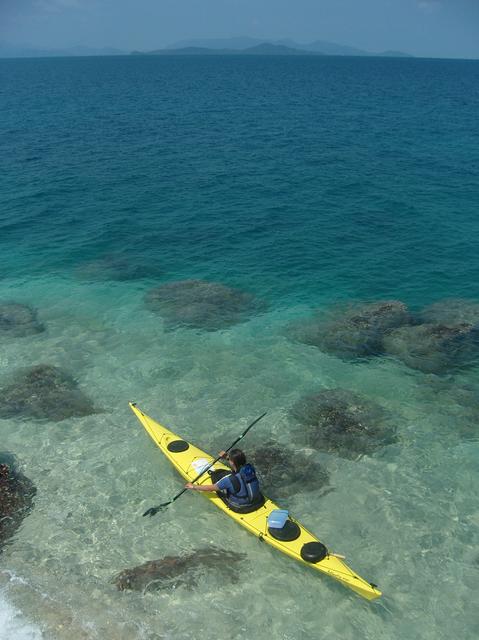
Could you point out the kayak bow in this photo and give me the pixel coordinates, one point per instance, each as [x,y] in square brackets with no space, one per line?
[189,461]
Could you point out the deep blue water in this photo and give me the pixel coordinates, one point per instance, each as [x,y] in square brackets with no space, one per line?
[301,178]
[306,181]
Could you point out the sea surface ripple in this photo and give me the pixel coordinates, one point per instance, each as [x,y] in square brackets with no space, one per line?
[306,182]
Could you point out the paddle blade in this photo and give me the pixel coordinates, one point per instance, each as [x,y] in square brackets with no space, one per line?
[152,511]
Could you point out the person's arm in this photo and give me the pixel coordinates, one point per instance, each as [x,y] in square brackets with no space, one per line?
[201,487]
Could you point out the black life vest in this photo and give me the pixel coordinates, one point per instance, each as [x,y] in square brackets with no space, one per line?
[245,485]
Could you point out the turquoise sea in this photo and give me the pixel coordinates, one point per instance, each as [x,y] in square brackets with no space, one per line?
[306,182]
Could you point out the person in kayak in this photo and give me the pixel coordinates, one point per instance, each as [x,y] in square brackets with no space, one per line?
[240,488]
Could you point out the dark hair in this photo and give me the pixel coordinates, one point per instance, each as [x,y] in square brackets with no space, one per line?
[237,457]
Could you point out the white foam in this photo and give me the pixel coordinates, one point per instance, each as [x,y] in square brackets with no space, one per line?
[12,624]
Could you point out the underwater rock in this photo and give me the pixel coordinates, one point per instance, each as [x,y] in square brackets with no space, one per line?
[16,497]
[173,571]
[117,267]
[43,391]
[200,304]
[353,331]
[343,422]
[19,320]
[434,348]
[283,472]
[451,311]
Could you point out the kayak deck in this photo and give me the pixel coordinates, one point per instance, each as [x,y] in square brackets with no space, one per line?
[189,461]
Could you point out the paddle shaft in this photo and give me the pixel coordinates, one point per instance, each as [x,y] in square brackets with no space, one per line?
[219,457]
[154,510]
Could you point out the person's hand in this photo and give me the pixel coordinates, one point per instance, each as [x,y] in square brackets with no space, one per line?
[222,454]
[189,485]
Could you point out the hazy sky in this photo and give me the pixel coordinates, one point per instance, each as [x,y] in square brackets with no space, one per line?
[448,28]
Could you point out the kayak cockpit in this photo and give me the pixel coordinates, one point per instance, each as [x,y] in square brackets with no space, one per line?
[246,508]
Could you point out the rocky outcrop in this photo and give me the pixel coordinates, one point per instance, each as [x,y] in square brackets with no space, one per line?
[444,339]
[174,571]
[353,331]
[435,348]
[342,422]
[16,498]
[200,304]
[18,320]
[44,392]
[283,472]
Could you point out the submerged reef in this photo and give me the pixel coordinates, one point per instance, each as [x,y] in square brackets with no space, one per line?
[441,338]
[283,472]
[116,266]
[19,320]
[200,304]
[342,422]
[16,497]
[445,339]
[174,571]
[434,348]
[353,331]
[43,391]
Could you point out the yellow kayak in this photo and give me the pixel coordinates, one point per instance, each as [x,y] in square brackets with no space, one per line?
[293,539]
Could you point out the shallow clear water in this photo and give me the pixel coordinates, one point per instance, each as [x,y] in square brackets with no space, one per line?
[306,182]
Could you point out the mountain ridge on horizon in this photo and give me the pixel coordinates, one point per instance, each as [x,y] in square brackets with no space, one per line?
[208,46]
[265,48]
[245,42]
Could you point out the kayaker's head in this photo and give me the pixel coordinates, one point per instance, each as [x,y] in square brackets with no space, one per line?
[236,459]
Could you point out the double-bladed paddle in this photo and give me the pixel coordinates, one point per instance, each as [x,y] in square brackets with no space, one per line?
[154,510]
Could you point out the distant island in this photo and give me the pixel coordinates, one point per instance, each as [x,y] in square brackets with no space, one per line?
[217,47]
[251,46]
[263,49]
